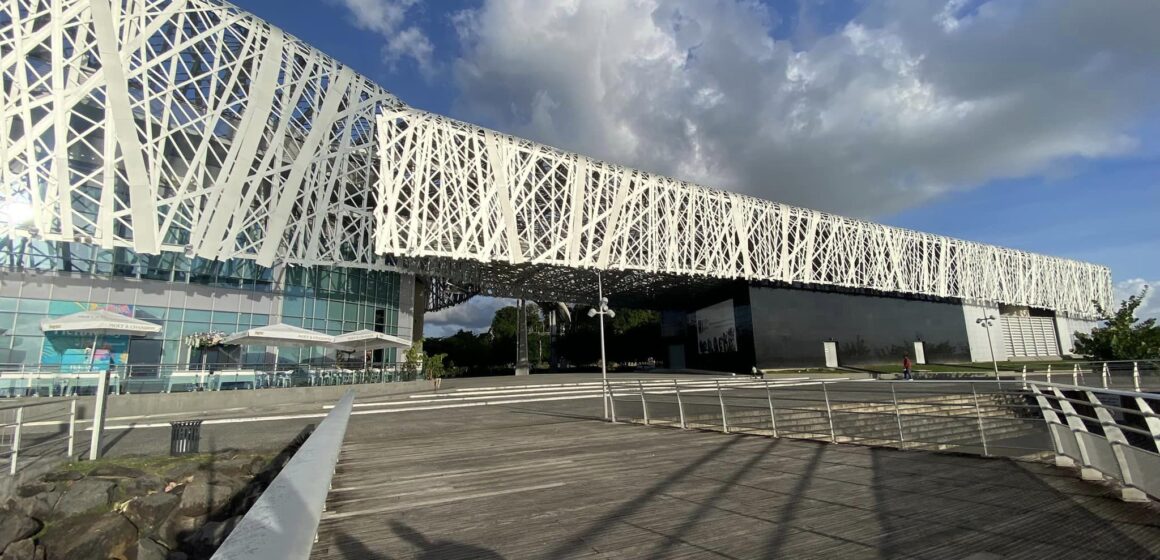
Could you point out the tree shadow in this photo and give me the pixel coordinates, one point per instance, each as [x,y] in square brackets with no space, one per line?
[579,541]
[776,540]
[707,506]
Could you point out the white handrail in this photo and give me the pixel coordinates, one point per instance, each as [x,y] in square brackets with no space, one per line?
[282,524]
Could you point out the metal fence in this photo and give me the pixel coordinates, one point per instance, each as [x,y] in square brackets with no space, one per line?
[37,431]
[18,380]
[1003,417]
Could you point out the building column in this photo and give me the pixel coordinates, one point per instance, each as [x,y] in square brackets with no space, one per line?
[522,365]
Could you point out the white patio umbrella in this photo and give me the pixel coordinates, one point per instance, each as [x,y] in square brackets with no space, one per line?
[370,340]
[280,334]
[98,323]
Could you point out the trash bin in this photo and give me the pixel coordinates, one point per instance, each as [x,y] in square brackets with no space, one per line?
[184,437]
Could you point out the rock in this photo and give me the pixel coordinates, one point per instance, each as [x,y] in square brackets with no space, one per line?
[15,526]
[62,476]
[149,549]
[115,471]
[256,466]
[26,549]
[177,556]
[86,495]
[91,537]
[182,471]
[141,486]
[34,488]
[201,498]
[40,506]
[212,534]
[233,480]
[150,512]
[179,527]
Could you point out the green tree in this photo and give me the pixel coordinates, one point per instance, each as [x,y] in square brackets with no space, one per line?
[503,333]
[1123,336]
[434,369]
[413,361]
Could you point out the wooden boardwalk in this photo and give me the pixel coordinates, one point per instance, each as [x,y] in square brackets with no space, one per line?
[538,482]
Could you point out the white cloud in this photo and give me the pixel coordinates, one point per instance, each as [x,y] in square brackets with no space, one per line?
[907,101]
[1132,287]
[389,18]
[473,315]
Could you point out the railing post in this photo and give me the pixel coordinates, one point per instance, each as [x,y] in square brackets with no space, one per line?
[979,416]
[829,413]
[1051,418]
[680,404]
[16,442]
[772,413]
[1136,375]
[1115,436]
[1075,375]
[1049,373]
[102,399]
[643,402]
[72,428]
[897,413]
[1105,373]
[1076,425]
[611,400]
[724,416]
[1024,376]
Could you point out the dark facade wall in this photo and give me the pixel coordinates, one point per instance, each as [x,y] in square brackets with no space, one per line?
[789,327]
[678,330]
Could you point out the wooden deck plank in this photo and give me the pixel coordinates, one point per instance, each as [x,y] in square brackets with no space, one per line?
[507,482]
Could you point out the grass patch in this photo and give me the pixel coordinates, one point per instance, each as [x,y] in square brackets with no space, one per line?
[153,464]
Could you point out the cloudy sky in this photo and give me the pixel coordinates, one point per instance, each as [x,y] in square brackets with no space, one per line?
[1027,123]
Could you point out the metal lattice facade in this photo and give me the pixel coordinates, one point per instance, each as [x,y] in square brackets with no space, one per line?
[458,191]
[190,126]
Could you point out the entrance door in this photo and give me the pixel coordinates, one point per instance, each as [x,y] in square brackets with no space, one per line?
[919,352]
[676,356]
[831,349]
[144,355]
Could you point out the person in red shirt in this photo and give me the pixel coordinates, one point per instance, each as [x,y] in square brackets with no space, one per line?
[906,367]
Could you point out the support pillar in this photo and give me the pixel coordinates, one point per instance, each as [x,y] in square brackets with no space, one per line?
[522,365]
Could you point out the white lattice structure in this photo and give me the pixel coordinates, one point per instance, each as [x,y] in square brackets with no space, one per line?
[452,190]
[183,125]
[190,126]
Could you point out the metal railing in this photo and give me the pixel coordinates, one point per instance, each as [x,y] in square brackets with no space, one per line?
[19,380]
[1114,433]
[1135,375]
[283,522]
[1107,433]
[32,431]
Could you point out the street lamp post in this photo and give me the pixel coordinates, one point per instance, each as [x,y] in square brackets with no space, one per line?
[987,322]
[602,309]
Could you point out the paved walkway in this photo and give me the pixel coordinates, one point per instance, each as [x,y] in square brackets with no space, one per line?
[545,480]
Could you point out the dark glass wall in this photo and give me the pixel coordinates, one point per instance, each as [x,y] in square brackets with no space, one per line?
[789,327]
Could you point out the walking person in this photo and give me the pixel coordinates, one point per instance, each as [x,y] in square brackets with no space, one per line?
[906,367]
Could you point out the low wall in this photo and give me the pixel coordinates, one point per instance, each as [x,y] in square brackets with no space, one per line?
[217,401]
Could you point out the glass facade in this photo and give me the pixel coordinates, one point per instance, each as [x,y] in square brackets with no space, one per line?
[184,296]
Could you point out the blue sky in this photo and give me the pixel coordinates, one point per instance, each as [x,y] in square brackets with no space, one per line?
[1023,123]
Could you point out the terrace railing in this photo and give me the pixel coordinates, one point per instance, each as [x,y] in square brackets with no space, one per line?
[19,380]
[1107,433]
